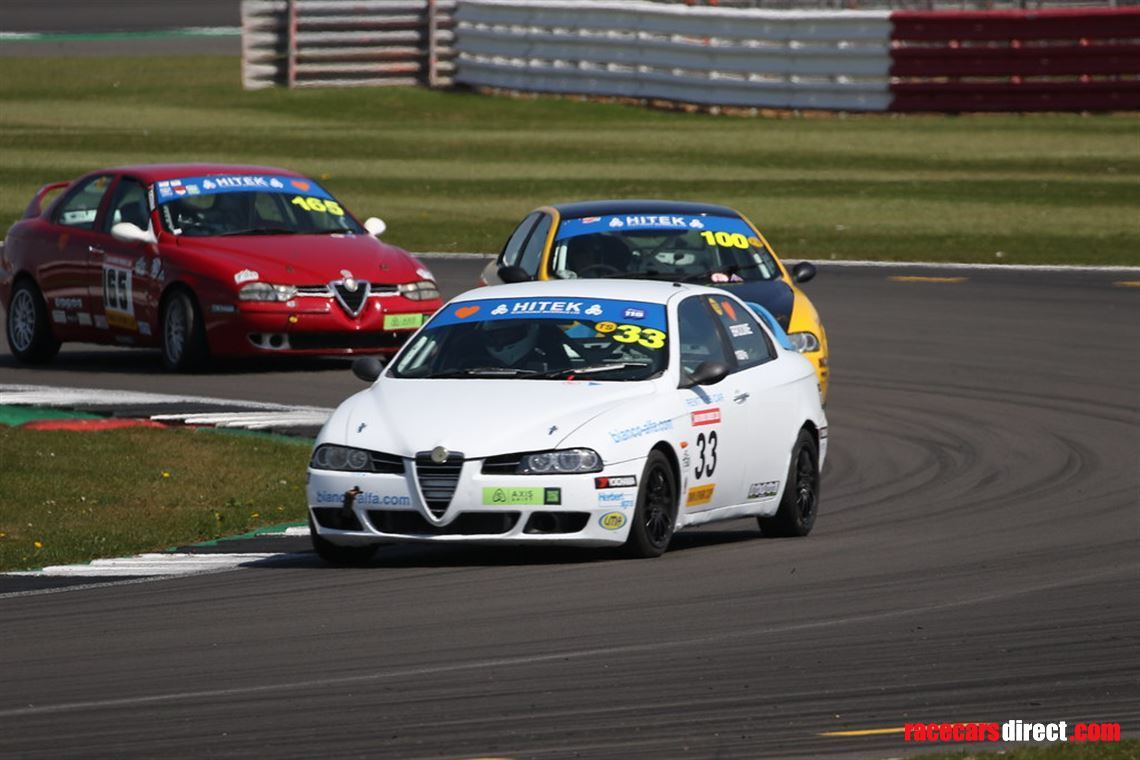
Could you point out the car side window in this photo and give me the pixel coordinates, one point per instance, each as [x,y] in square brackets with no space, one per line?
[128,205]
[81,205]
[534,245]
[511,251]
[749,342]
[700,339]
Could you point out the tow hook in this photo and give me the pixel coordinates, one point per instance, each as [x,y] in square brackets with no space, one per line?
[346,512]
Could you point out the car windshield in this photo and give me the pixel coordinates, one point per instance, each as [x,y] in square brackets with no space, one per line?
[540,339]
[250,204]
[654,246]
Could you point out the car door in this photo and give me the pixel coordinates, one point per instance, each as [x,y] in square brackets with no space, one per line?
[65,272]
[762,397]
[716,441]
[123,289]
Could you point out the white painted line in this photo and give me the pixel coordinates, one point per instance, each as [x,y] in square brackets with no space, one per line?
[251,420]
[41,395]
[151,564]
[299,530]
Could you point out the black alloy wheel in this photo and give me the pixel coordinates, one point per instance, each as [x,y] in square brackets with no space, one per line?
[800,502]
[655,516]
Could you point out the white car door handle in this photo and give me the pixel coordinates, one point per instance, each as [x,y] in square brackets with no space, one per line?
[740,398]
[95,249]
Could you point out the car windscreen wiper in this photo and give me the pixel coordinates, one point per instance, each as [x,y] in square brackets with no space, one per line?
[482,372]
[336,232]
[587,370]
[259,231]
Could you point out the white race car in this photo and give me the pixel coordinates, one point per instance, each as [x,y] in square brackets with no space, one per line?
[586,413]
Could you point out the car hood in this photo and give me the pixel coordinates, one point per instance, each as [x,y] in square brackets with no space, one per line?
[303,259]
[774,295]
[477,417]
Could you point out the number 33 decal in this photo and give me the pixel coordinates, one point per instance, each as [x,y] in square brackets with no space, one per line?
[707,463]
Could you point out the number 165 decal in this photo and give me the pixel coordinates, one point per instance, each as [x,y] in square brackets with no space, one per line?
[706,452]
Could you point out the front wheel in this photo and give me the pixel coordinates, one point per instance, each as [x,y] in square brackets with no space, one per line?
[183,334]
[29,333]
[800,503]
[655,515]
[335,554]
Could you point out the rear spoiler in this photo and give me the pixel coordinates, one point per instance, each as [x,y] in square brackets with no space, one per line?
[35,207]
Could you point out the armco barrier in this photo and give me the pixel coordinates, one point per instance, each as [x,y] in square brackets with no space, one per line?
[1070,59]
[1065,59]
[323,43]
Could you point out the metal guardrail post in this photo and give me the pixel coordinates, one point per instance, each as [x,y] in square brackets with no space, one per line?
[432,52]
[291,46]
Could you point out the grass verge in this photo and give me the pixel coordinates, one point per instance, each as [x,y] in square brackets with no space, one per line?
[456,171]
[1125,750]
[72,497]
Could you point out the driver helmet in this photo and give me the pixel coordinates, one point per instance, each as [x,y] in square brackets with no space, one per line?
[510,340]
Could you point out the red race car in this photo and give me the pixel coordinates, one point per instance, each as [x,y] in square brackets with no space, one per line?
[206,260]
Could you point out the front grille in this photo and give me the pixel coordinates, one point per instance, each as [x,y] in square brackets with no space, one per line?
[466,524]
[438,481]
[503,464]
[389,464]
[307,341]
[352,300]
[314,291]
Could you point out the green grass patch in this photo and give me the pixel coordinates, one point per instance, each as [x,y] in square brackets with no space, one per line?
[1125,750]
[72,497]
[455,170]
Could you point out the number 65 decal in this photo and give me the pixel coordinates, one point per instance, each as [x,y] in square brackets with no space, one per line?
[707,452]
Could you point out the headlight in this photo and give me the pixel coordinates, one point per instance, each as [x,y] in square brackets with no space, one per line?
[804,341]
[331,457]
[560,462]
[424,290]
[263,291]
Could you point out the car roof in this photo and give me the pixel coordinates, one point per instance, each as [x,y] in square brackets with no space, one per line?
[649,291]
[602,208]
[157,172]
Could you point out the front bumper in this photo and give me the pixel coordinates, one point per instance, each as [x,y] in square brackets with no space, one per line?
[484,509]
[313,326]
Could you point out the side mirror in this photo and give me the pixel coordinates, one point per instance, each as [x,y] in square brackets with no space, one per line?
[803,271]
[129,232]
[375,226]
[708,373]
[514,274]
[367,368]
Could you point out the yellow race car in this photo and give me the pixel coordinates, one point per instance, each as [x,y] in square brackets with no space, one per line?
[667,240]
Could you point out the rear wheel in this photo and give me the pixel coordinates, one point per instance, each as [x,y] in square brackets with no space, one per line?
[184,346]
[655,516]
[29,333]
[800,502]
[338,555]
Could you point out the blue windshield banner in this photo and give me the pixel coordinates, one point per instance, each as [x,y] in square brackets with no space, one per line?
[591,225]
[173,189]
[592,310]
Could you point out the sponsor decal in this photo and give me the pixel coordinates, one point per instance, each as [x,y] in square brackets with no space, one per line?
[595,310]
[222,308]
[169,190]
[69,303]
[706,417]
[703,399]
[100,322]
[731,311]
[463,312]
[740,330]
[606,327]
[612,499]
[156,272]
[140,266]
[524,496]
[144,328]
[365,498]
[246,275]
[591,219]
[716,307]
[403,321]
[633,314]
[59,315]
[700,495]
[612,520]
[118,301]
[84,318]
[763,490]
[615,481]
[741,354]
[646,428]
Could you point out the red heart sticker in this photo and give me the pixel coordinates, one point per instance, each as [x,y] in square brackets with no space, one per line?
[299,184]
[466,311]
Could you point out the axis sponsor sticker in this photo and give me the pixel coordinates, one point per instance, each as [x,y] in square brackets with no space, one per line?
[525,496]
[700,495]
[706,417]
[612,520]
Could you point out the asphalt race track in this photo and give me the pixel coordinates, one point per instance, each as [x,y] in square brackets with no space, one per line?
[977,558]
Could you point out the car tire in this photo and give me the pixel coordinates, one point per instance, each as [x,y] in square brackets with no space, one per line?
[30,336]
[338,555]
[184,347]
[800,502]
[655,516]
